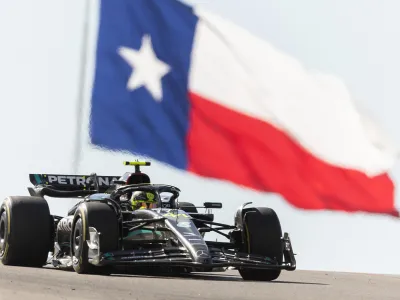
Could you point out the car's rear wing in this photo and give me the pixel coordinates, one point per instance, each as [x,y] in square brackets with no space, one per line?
[62,185]
[73,183]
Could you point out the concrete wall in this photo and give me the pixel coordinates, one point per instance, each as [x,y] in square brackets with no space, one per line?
[40,59]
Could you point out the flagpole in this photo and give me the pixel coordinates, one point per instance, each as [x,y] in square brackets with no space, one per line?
[81,88]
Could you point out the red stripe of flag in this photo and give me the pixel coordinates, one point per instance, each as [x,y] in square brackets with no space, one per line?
[228,145]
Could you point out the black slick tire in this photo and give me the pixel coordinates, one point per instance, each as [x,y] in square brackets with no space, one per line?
[25,231]
[263,233]
[103,218]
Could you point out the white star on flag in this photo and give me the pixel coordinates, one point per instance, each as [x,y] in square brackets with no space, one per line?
[147,69]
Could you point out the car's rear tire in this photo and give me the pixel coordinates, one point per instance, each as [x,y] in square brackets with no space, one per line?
[103,218]
[263,233]
[187,207]
[25,231]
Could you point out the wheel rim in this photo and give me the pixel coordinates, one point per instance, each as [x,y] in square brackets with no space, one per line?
[77,239]
[2,233]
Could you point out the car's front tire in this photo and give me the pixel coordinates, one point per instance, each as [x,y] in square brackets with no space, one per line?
[263,236]
[103,218]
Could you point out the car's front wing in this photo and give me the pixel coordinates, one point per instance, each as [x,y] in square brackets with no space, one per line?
[180,257]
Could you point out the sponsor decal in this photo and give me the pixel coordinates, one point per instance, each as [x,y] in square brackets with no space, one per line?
[201,243]
[127,257]
[172,214]
[135,257]
[183,224]
[197,242]
[78,180]
[189,234]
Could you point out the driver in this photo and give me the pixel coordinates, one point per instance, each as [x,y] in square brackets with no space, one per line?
[143,200]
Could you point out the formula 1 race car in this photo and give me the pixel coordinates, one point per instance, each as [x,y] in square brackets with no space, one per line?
[106,229]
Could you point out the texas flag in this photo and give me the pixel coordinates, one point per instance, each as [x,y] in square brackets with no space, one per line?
[201,94]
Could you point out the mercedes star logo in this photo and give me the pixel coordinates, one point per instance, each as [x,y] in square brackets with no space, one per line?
[202,253]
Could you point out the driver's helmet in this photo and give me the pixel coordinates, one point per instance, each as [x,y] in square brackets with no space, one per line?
[143,200]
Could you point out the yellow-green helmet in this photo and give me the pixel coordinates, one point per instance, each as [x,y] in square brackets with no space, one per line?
[141,199]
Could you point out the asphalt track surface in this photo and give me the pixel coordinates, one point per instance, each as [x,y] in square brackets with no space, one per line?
[47,283]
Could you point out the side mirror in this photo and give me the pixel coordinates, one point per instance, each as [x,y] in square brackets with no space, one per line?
[212,204]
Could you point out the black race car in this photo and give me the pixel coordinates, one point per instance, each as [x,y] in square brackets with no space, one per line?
[102,232]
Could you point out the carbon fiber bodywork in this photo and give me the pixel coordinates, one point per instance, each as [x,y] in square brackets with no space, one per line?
[167,236]
[188,250]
